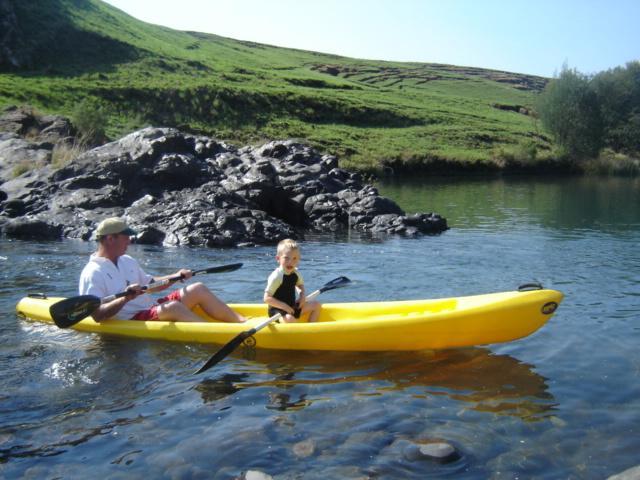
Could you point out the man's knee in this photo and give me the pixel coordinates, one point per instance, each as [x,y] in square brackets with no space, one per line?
[198,288]
[194,286]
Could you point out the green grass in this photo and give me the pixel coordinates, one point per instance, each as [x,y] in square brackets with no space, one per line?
[369,113]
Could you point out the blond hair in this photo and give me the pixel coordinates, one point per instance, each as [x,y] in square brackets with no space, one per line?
[287,244]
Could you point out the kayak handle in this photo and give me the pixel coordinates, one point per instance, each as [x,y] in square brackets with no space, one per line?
[527,287]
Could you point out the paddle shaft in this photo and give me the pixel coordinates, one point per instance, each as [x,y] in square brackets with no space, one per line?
[154,285]
[175,278]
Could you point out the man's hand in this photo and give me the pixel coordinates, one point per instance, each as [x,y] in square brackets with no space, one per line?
[134,290]
[184,273]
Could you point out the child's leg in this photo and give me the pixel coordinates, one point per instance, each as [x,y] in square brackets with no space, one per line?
[313,309]
[288,318]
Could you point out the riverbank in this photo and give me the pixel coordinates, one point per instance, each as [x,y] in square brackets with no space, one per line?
[362,111]
[513,162]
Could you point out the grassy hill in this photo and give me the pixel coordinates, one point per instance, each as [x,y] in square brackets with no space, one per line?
[58,53]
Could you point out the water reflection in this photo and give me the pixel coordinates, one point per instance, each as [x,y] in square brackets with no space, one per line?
[562,203]
[483,381]
[285,401]
[212,390]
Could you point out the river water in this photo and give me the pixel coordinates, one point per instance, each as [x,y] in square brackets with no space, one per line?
[561,403]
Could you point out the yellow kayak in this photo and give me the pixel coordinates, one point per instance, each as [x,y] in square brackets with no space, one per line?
[358,326]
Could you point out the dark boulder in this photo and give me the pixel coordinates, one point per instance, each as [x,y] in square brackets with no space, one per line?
[31,228]
[179,189]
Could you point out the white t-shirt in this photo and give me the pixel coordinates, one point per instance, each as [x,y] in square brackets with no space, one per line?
[101,277]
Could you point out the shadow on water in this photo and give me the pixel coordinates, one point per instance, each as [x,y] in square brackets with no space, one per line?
[484,381]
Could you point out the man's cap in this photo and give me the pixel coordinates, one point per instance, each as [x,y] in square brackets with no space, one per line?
[113,226]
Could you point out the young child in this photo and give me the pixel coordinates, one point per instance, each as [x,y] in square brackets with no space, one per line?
[282,284]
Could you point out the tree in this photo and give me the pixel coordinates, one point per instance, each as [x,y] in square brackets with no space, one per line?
[618,91]
[569,108]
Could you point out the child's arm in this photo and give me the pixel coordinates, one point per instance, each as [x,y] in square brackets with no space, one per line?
[274,302]
[302,298]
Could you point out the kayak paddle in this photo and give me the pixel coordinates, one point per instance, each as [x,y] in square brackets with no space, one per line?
[70,311]
[242,336]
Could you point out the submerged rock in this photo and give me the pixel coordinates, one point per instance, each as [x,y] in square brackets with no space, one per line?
[629,474]
[254,475]
[179,189]
[304,449]
[441,452]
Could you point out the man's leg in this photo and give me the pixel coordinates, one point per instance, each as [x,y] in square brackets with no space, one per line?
[176,311]
[198,294]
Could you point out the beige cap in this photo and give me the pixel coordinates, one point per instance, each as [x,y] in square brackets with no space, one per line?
[112,226]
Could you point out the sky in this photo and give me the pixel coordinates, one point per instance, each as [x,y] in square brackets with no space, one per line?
[535,37]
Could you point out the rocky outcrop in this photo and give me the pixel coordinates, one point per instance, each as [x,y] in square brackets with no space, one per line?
[180,189]
[26,122]
[27,139]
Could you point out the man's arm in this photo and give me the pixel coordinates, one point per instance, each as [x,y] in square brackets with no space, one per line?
[111,309]
[167,280]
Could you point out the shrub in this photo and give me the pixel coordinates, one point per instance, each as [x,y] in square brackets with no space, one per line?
[612,163]
[63,153]
[21,168]
[90,118]
[522,154]
[569,108]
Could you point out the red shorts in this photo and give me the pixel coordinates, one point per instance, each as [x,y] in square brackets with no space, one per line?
[152,313]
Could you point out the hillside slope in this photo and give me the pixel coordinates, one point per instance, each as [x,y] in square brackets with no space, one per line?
[57,53]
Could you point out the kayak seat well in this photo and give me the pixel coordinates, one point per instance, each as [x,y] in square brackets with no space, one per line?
[391,311]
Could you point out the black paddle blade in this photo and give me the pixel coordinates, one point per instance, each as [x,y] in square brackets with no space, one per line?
[335,283]
[223,268]
[66,313]
[225,350]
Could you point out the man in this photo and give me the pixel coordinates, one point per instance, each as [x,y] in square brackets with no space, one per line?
[110,271]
